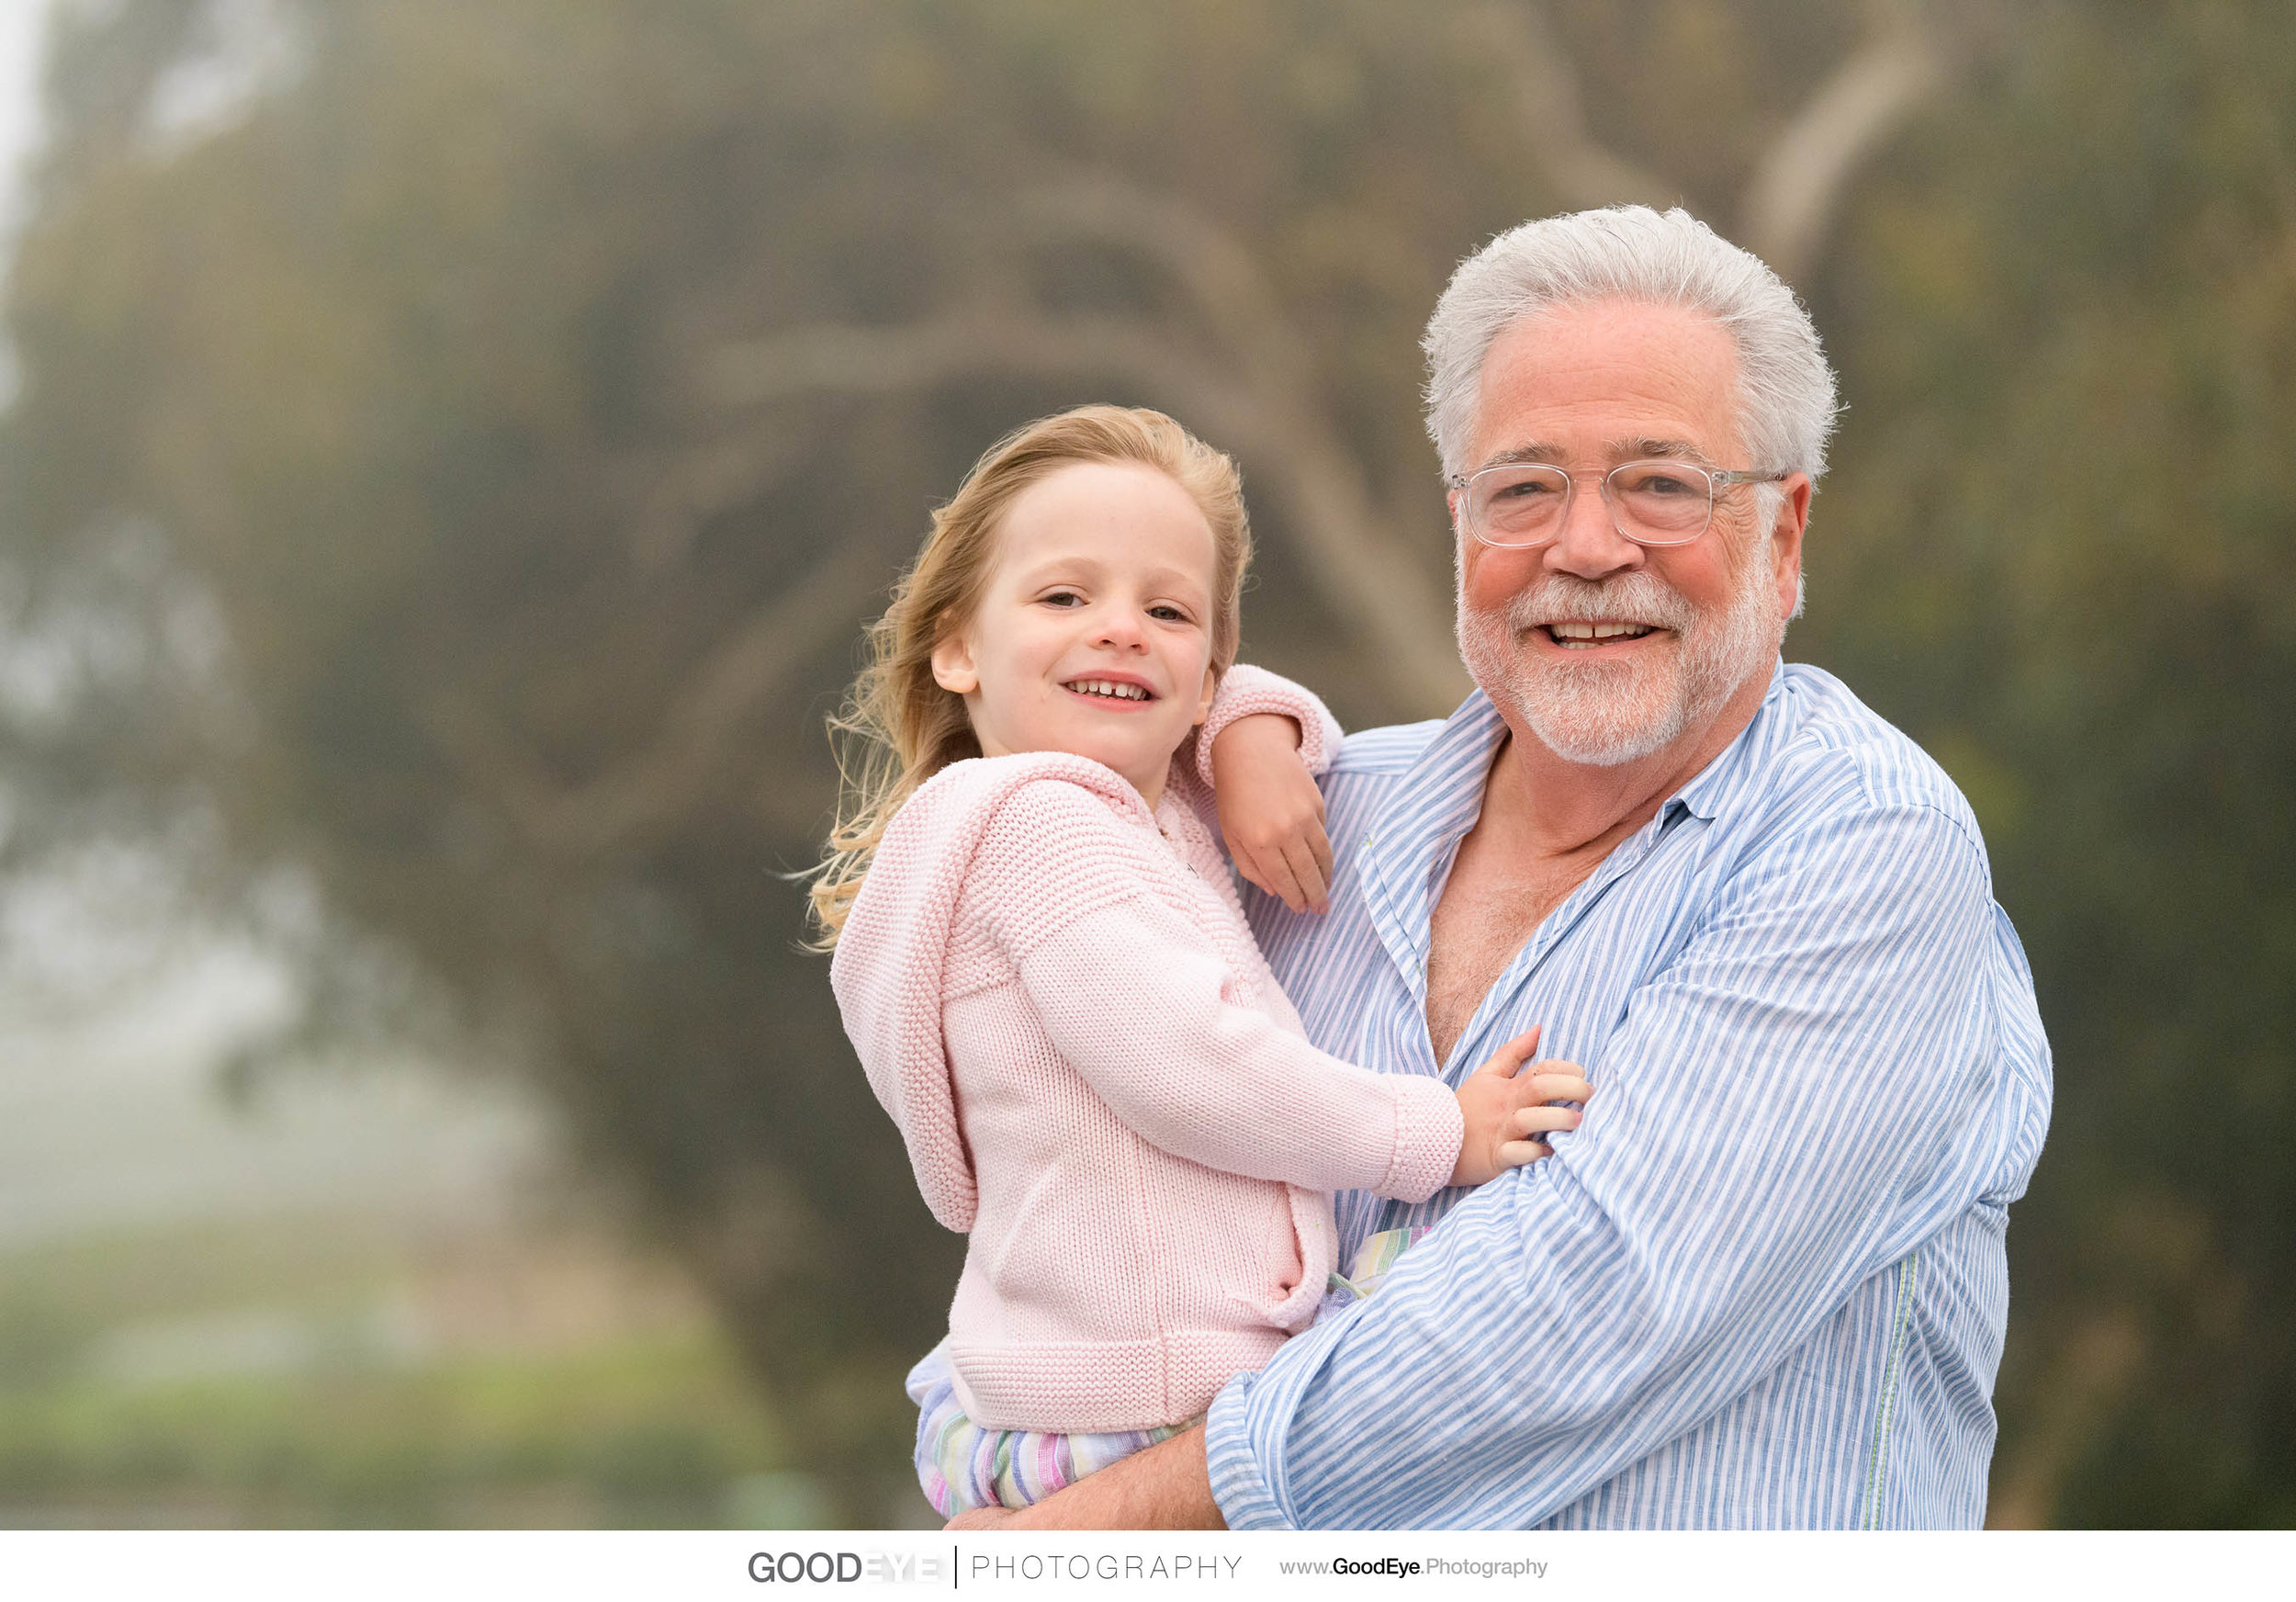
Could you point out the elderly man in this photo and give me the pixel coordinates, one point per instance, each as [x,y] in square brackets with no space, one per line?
[1763,1283]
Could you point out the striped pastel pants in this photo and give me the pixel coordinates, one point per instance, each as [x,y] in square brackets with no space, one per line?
[962,1466]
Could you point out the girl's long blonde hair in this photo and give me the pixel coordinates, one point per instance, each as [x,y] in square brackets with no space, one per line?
[898,727]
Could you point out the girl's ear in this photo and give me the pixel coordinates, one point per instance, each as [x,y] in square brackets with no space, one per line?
[1211,688]
[953,665]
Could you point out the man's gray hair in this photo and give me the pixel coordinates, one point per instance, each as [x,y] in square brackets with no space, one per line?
[1785,389]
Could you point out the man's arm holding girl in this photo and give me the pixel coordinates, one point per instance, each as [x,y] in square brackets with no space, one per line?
[1797,1102]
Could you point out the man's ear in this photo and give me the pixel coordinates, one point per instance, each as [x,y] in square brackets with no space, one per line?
[953,665]
[1211,688]
[1785,544]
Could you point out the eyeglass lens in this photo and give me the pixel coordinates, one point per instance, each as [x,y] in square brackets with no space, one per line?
[1654,502]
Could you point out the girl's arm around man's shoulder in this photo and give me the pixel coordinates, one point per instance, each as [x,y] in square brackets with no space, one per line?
[1254,766]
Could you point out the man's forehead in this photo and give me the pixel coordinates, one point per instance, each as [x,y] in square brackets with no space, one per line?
[1614,377]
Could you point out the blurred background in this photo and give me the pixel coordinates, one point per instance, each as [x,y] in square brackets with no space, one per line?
[450,449]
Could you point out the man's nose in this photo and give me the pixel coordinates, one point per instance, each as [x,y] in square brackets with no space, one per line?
[1590,545]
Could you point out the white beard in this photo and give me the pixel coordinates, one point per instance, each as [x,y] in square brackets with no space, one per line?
[1605,713]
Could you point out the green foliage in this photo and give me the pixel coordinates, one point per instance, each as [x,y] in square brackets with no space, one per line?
[438,439]
[2071,486]
[120,1405]
[649,1432]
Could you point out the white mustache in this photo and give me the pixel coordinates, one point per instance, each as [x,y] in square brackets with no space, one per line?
[1629,598]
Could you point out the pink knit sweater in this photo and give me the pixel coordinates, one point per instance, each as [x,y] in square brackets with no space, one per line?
[1055,996]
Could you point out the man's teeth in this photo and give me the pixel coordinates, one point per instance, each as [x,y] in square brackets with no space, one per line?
[1588,633]
[1109,687]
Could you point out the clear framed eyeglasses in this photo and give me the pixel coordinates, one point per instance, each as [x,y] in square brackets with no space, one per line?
[1519,504]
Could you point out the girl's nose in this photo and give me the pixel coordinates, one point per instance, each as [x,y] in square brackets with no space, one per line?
[1119,627]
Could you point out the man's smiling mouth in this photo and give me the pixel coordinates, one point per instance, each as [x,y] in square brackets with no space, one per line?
[1586,636]
[1108,690]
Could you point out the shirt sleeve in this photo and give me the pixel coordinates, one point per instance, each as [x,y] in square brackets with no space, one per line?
[1795,1102]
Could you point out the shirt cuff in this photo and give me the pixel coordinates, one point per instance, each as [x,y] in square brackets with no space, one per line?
[1429,1127]
[1236,1485]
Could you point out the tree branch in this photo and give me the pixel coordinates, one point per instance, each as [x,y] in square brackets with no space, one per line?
[1581,170]
[672,498]
[700,732]
[1222,281]
[1358,565]
[1792,197]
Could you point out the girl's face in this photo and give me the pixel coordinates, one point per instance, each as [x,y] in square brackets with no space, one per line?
[1093,632]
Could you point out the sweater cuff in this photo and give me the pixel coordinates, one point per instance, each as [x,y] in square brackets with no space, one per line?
[1246,691]
[1428,1129]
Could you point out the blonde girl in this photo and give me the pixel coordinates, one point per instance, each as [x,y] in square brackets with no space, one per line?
[1042,964]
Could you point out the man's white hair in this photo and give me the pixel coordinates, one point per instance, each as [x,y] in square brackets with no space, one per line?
[1787,391]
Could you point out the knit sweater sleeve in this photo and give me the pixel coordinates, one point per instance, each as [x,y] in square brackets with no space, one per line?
[1140,999]
[1245,691]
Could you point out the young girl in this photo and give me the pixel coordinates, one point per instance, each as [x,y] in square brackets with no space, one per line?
[1042,961]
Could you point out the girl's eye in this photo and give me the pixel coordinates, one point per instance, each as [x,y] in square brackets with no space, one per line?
[1063,598]
[1167,614]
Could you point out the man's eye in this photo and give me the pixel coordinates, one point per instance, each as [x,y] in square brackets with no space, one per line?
[1523,490]
[1652,482]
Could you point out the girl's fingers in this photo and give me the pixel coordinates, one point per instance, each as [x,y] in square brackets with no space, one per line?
[1281,883]
[1280,869]
[1308,873]
[1510,1057]
[1538,1087]
[1516,1154]
[1542,1119]
[1268,870]
[1248,865]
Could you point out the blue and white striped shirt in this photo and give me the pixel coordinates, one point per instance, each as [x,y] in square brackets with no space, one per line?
[1763,1284]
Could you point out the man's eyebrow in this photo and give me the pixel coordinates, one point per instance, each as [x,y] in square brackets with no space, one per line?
[1635,450]
[1536,451]
[1638,448]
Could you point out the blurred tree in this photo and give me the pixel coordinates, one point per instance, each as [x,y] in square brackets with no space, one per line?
[458,447]
[2067,322]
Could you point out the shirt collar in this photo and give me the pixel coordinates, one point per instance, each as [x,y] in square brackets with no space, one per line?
[1413,837]
[1453,767]
[1736,772]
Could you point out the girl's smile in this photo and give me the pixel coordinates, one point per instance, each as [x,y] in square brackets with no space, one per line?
[1093,634]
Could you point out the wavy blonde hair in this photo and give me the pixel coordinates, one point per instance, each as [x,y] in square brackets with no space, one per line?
[898,727]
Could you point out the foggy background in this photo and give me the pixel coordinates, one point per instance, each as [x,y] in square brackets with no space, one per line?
[451,447]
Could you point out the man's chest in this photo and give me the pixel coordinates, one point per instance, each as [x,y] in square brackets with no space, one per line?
[1493,955]
[1486,912]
